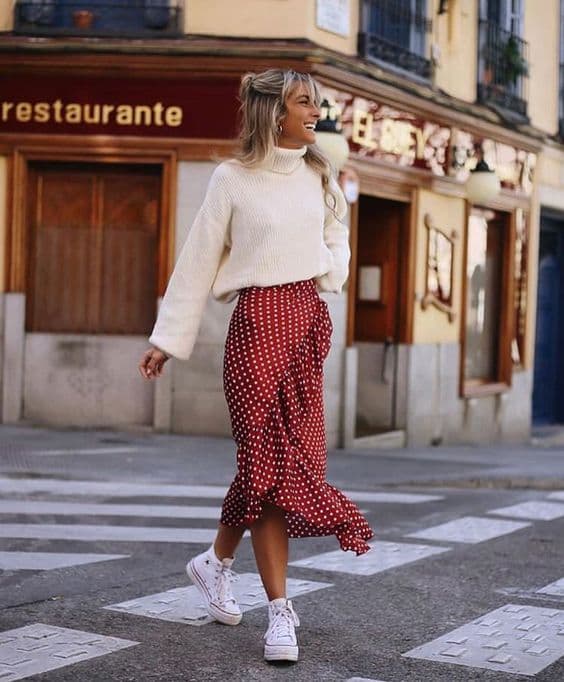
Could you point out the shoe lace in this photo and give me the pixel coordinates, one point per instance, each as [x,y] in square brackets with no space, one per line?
[225,577]
[283,622]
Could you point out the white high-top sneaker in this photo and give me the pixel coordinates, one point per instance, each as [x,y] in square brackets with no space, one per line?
[281,643]
[213,579]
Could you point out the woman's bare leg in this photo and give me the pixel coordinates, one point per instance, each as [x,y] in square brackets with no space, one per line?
[227,540]
[270,544]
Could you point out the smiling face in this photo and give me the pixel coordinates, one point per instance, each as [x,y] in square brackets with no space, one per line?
[302,113]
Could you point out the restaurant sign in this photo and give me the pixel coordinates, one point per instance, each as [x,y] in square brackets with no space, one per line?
[118,106]
[379,132]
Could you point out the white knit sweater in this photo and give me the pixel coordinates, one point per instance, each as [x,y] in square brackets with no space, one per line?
[257,226]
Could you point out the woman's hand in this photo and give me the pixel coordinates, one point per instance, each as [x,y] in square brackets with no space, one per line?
[152,363]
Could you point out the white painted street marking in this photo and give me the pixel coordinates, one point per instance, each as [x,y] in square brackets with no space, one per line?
[125,489]
[38,648]
[184,604]
[114,488]
[96,509]
[514,639]
[557,495]
[381,557]
[470,529]
[43,561]
[57,531]
[403,498]
[87,451]
[535,509]
[556,588]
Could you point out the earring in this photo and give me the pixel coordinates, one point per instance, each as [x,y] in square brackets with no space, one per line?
[279,129]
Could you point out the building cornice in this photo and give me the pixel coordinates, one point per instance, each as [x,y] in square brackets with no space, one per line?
[227,56]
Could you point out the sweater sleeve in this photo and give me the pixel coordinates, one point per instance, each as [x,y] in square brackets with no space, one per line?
[182,307]
[336,237]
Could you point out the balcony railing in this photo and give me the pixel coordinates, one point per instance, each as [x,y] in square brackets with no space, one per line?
[99,18]
[395,32]
[503,68]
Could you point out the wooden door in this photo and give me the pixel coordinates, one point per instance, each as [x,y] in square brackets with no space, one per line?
[93,247]
[379,231]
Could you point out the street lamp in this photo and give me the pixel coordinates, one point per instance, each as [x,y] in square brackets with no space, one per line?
[482,184]
[329,138]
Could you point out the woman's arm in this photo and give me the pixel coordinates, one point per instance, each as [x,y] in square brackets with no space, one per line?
[336,237]
[183,304]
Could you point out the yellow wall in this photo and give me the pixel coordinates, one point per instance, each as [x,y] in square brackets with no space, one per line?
[6,15]
[541,30]
[267,19]
[456,35]
[448,213]
[3,216]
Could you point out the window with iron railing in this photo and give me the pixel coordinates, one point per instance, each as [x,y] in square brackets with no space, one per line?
[503,65]
[111,18]
[396,32]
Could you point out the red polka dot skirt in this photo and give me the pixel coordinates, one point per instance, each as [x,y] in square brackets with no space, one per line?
[278,339]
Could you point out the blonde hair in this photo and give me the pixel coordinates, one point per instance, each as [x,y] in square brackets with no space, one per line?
[263,107]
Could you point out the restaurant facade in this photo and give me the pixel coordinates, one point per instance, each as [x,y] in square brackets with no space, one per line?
[106,148]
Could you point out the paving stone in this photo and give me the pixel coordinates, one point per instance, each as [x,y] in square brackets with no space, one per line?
[38,648]
[469,529]
[59,531]
[534,509]
[556,588]
[514,639]
[41,507]
[43,561]
[381,557]
[184,604]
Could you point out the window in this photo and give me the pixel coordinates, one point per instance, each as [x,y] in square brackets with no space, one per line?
[126,18]
[395,32]
[503,55]
[489,313]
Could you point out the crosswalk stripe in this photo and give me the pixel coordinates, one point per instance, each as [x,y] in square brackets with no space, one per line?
[125,489]
[470,529]
[38,648]
[184,604]
[40,531]
[86,451]
[96,509]
[43,561]
[115,488]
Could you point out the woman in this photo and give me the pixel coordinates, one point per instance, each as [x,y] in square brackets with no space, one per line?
[269,231]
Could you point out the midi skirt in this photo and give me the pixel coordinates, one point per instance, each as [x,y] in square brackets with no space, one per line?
[277,341]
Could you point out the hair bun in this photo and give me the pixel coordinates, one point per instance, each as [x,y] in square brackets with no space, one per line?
[247,82]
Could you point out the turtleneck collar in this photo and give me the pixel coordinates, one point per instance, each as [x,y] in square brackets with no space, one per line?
[282,160]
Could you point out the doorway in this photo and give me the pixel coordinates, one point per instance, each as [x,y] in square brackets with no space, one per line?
[93,234]
[378,292]
[548,407]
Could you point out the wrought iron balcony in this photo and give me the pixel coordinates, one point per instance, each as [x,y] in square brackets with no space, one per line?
[99,18]
[503,68]
[395,32]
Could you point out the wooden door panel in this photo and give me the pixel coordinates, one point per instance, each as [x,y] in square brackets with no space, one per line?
[379,232]
[93,254]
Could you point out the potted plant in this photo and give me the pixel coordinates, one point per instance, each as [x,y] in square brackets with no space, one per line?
[512,62]
[83,18]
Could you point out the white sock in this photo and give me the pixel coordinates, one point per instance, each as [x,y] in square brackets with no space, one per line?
[281,601]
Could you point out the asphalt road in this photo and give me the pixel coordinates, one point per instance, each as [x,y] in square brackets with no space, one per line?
[147,502]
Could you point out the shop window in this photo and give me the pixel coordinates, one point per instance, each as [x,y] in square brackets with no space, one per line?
[395,32]
[489,313]
[503,63]
[93,248]
[126,18]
